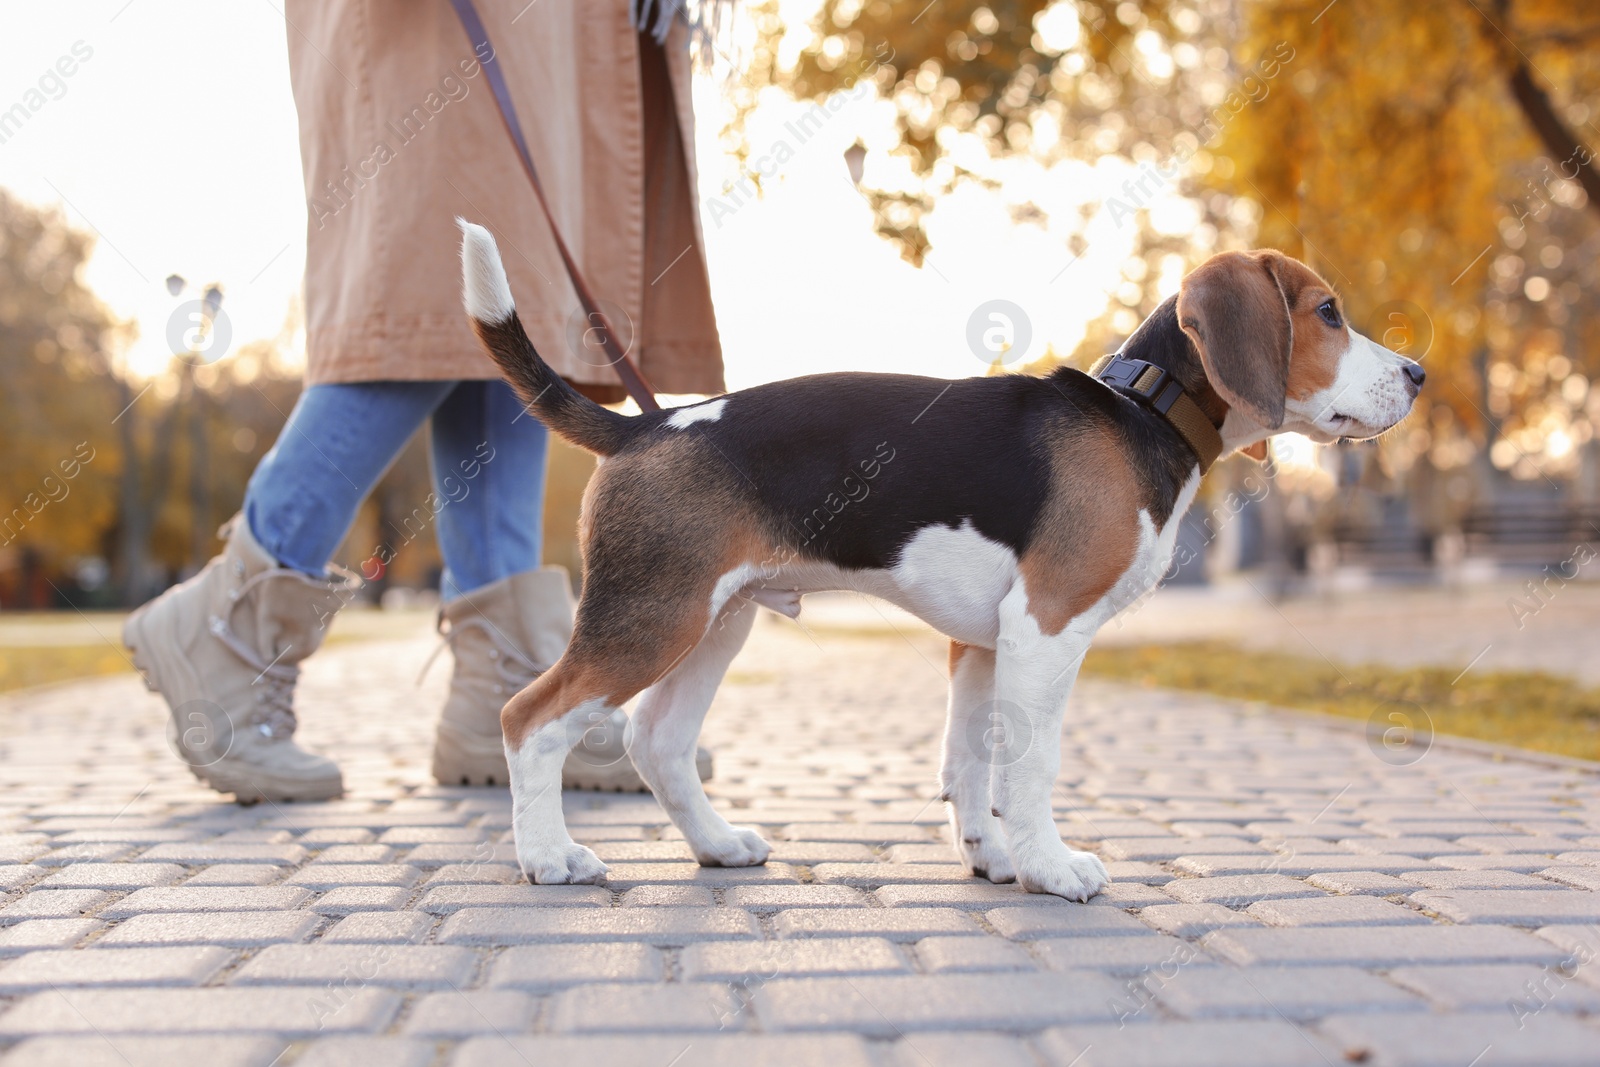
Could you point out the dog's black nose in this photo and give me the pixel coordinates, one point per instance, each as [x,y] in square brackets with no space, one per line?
[1417,375]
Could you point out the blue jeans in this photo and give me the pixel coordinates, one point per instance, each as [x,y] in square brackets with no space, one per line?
[487,459]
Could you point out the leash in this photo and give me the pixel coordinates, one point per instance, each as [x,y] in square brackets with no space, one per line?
[632,379]
[1156,389]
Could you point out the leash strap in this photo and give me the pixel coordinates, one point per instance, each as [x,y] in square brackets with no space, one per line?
[632,379]
[1156,389]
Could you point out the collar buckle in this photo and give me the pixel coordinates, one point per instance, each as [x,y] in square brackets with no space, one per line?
[1153,387]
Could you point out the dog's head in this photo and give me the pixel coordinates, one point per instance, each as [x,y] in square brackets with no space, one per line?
[1276,346]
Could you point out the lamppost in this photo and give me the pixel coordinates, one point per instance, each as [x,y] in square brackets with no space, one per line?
[197,336]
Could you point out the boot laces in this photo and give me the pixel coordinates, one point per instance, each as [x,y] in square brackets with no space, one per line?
[512,664]
[273,715]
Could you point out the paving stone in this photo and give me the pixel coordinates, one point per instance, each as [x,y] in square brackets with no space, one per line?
[1295,866]
[1162,956]
[196,899]
[860,833]
[334,875]
[960,1050]
[1515,907]
[1473,880]
[385,927]
[1514,842]
[891,1006]
[1518,863]
[403,966]
[448,899]
[342,835]
[1026,924]
[99,852]
[290,1012]
[1421,847]
[767,960]
[812,853]
[930,853]
[195,853]
[1389,946]
[113,876]
[896,924]
[1193,920]
[389,1051]
[955,955]
[366,853]
[974,895]
[1170,848]
[1521,988]
[540,968]
[1336,911]
[668,896]
[432,835]
[1427,1040]
[1125,871]
[232,929]
[692,1007]
[1130,895]
[53,904]
[430,856]
[703,1050]
[625,875]
[466,1013]
[17,875]
[779,897]
[123,967]
[873,875]
[475,874]
[656,926]
[1204,1043]
[1238,890]
[1296,993]
[1579,877]
[1364,883]
[237,874]
[35,934]
[347,900]
[129,1051]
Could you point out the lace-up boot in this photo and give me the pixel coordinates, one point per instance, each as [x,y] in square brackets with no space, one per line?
[224,649]
[503,636]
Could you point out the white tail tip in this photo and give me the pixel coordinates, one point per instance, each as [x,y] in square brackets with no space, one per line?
[484,288]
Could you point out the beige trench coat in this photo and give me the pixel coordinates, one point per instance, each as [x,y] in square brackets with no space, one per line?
[399,134]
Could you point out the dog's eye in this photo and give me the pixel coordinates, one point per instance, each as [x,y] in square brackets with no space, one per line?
[1330,313]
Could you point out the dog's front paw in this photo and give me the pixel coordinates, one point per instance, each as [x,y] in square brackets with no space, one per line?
[1074,875]
[985,855]
[742,847]
[568,864]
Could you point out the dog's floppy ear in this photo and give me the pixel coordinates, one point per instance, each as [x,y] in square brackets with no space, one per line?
[1234,309]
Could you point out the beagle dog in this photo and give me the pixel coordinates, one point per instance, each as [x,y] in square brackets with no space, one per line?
[1014,514]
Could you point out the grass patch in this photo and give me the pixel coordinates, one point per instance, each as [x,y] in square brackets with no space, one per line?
[1529,709]
[23,666]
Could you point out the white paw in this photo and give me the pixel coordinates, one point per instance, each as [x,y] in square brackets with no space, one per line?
[1074,875]
[740,847]
[984,854]
[563,864]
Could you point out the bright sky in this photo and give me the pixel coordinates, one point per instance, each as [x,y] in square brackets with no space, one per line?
[175,140]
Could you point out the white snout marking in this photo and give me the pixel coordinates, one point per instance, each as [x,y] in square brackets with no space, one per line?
[711,411]
[1368,395]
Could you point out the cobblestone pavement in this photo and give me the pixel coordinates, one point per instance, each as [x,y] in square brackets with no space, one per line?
[1285,893]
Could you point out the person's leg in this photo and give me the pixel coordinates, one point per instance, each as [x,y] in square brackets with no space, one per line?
[488,459]
[224,648]
[339,440]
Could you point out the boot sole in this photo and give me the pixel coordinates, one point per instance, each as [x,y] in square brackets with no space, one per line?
[142,633]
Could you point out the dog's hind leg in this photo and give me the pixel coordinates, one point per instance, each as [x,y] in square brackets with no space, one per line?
[665,729]
[973,732]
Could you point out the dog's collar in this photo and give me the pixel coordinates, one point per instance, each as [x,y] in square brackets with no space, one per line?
[1160,391]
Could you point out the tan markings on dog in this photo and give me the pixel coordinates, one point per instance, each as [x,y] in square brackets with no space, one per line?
[1087,531]
[1318,347]
[957,650]
[653,555]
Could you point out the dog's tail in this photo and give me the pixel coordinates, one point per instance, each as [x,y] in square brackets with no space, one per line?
[487,295]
